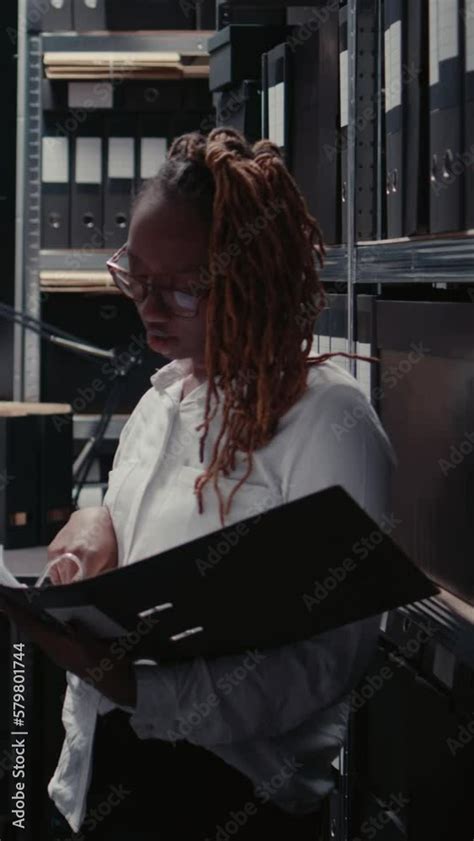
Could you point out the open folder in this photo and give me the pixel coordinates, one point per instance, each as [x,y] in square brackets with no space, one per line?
[282,576]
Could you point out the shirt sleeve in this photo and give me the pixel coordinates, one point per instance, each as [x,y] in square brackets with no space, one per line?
[212,701]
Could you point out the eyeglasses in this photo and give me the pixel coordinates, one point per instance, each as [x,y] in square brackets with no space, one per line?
[181,302]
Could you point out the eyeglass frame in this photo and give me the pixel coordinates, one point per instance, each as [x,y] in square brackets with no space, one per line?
[113,267]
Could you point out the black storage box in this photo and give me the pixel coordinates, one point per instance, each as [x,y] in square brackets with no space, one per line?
[240,107]
[236,53]
[36,452]
[270,15]
[143,14]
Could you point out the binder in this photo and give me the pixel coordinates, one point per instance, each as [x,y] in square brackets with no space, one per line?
[469,113]
[201,599]
[445,116]
[276,93]
[395,124]
[241,108]
[365,132]
[153,145]
[314,112]
[19,516]
[87,184]
[343,117]
[416,165]
[55,190]
[55,458]
[49,15]
[120,177]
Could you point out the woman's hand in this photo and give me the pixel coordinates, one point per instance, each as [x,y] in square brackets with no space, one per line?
[90,535]
[78,651]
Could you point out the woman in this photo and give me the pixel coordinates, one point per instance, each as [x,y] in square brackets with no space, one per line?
[220,262]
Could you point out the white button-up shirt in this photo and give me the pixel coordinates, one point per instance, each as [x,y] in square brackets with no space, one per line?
[283,708]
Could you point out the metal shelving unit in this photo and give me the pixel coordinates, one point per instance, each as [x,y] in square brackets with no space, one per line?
[421,260]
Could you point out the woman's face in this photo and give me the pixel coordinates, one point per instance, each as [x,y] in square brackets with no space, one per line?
[170,238]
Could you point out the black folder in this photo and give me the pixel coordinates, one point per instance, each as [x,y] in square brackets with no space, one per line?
[19,515]
[446,212]
[395,45]
[285,575]
[55,185]
[87,184]
[241,108]
[277,93]
[469,115]
[49,15]
[416,165]
[119,185]
[314,114]
[55,458]
[341,144]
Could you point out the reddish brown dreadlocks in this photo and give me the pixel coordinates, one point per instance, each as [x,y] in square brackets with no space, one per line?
[263,287]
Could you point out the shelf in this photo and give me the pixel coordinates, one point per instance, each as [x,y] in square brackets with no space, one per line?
[187,42]
[84,426]
[422,259]
[77,281]
[125,64]
[426,259]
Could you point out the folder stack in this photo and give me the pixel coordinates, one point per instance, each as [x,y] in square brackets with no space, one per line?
[446,106]
[36,451]
[80,280]
[125,65]
[92,168]
[111,15]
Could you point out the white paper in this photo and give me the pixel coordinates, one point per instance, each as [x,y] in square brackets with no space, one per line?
[393,66]
[448,23]
[344,87]
[364,369]
[271,113]
[89,160]
[434,43]
[55,160]
[279,127]
[121,161]
[469,18]
[153,155]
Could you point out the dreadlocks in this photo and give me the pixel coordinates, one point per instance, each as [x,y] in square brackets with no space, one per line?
[263,286]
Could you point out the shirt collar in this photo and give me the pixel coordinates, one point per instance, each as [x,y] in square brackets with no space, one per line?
[164,377]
